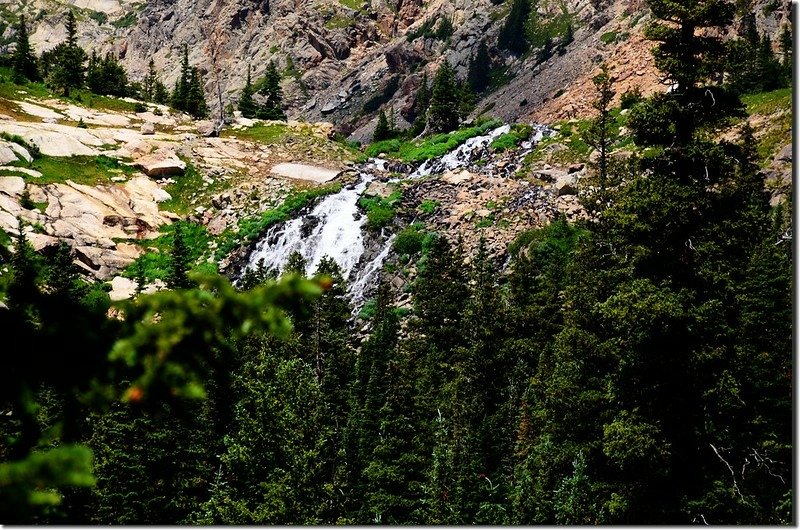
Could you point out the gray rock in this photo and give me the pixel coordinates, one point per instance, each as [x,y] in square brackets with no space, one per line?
[330,106]
[206,128]
[566,185]
[785,155]
[7,154]
[148,128]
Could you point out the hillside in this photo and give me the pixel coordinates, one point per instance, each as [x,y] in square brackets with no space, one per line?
[543,288]
[342,60]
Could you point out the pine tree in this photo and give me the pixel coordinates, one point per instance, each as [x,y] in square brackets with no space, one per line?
[382,131]
[149,83]
[422,101]
[246,104]
[446,101]
[195,99]
[785,40]
[180,96]
[272,108]
[479,68]
[513,35]
[66,68]
[179,260]
[600,132]
[23,62]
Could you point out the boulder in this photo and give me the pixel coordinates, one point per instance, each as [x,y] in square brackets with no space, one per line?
[122,288]
[566,184]
[138,148]
[162,163]
[330,106]
[7,154]
[206,128]
[785,154]
[148,128]
[12,186]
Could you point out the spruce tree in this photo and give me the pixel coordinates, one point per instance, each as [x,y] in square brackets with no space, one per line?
[179,260]
[67,69]
[180,95]
[513,34]
[479,68]
[149,83]
[272,108]
[196,100]
[23,62]
[382,131]
[246,104]
[422,101]
[446,101]
[600,132]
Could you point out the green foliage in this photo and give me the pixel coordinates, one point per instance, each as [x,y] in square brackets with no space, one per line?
[409,241]
[23,62]
[106,76]
[272,108]
[126,21]
[382,130]
[380,212]
[246,104]
[519,132]
[513,35]
[608,37]
[431,147]
[188,95]
[428,206]
[444,111]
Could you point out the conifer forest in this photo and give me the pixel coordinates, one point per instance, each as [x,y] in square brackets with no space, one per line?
[632,363]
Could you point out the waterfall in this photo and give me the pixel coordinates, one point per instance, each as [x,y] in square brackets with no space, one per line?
[369,273]
[335,226]
[462,155]
[332,228]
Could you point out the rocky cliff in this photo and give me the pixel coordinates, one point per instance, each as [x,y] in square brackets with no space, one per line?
[343,59]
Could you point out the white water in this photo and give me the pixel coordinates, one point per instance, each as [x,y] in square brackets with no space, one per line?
[336,234]
[461,155]
[334,228]
[367,275]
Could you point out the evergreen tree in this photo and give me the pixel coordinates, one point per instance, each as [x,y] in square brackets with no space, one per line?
[149,83]
[445,103]
[600,132]
[180,95]
[513,34]
[179,260]
[65,63]
[643,372]
[422,101]
[23,62]
[382,131]
[246,104]
[272,108]
[785,41]
[196,100]
[479,69]
[160,93]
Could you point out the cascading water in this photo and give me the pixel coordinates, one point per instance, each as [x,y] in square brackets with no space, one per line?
[334,227]
[461,156]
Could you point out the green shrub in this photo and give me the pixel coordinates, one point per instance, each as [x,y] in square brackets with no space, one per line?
[608,37]
[630,97]
[408,241]
[428,206]
[368,311]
